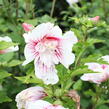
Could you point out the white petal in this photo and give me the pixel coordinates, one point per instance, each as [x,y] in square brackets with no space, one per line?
[70,2]
[29,54]
[106,58]
[66,45]
[94,77]
[106,70]
[29,95]
[49,59]
[51,78]
[95,67]
[70,38]
[46,59]
[11,49]
[39,104]
[47,74]
[67,59]
[6,38]
[55,32]
[38,32]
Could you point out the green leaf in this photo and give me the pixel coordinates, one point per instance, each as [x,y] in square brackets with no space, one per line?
[91,41]
[89,93]
[103,107]
[42,19]
[4,74]
[102,102]
[4,97]
[81,70]
[6,57]
[93,58]
[5,45]
[32,21]
[78,85]
[85,103]
[30,78]
[77,33]
[46,18]
[14,63]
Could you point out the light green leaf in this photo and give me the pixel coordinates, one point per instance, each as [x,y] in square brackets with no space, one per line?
[103,107]
[4,97]
[14,63]
[81,70]
[5,45]
[30,78]
[77,85]
[4,74]
[6,57]
[91,41]
[89,93]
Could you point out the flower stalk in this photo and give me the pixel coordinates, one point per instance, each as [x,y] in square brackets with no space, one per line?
[104,9]
[52,9]
[17,8]
[75,97]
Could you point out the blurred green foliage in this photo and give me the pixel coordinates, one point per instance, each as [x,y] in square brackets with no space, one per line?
[93,43]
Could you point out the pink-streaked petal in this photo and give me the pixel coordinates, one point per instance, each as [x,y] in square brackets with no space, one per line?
[29,95]
[55,107]
[29,53]
[104,66]
[106,70]
[66,44]
[47,74]
[41,104]
[94,77]
[49,59]
[38,32]
[55,32]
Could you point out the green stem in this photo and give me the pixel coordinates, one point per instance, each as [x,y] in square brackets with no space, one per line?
[104,9]
[27,3]
[53,6]
[32,9]
[79,56]
[98,94]
[17,8]
[94,106]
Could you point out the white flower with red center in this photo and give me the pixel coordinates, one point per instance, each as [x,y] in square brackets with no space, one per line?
[41,104]
[70,2]
[47,46]
[10,49]
[105,58]
[97,78]
[29,95]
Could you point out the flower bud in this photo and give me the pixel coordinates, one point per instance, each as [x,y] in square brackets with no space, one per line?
[29,95]
[27,27]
